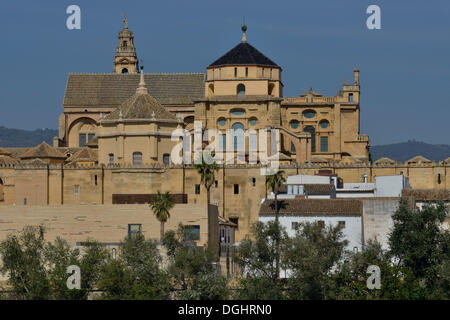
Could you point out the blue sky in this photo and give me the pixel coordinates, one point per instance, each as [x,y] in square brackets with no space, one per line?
[405,66]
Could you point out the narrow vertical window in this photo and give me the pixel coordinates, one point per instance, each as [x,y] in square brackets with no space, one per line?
[111,159]
[137,158]
[236,189]
[197,189]
[323,144]
[246,72]
[235,72]
[350,97]
[82,139]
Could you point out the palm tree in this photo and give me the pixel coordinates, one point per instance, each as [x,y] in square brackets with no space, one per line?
[207,169]
[161,205]
[273,183]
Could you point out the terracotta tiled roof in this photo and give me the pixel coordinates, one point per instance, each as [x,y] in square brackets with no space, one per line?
[85,154]
[4,152]
[111,90]
[243,54]
[385,160]
[427,194]
[419,159]
[44,150]
[314,207]
[7,160]
[141,106]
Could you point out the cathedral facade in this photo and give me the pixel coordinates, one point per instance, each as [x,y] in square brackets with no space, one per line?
[115,138]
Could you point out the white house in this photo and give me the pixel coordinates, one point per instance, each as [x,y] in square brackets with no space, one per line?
[346,213]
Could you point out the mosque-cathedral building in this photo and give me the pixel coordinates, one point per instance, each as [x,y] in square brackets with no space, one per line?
[114,142]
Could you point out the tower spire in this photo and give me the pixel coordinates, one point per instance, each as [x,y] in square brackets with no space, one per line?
[142,89]
[126,60]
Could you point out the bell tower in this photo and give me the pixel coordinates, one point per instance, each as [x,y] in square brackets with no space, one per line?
[126,60]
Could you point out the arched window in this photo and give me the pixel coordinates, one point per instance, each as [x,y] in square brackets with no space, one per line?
[166,159]
[124,70]
[238,136]
[312,131]
[241,90]
[253,121]
[137,158]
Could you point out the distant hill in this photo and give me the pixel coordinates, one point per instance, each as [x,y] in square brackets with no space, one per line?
[406,150]
[25,138]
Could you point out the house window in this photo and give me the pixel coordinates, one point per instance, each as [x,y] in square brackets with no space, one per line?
[323,144]
[294,226]
[241,90]
[111,158]
[235,221]
[246,72]
[137,158]
[197,189]
[124,44]
[192,232]
[236,189]
[124,70]
[76,190]
[341,224]
[166,159]
[82,139]
[95,179]
[216,183]
[24,201]
[253,121]
[254,182]
[134,229]
[90,136]
[235,72]
[350,97]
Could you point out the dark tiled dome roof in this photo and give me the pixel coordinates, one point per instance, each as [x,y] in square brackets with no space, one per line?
[244,54]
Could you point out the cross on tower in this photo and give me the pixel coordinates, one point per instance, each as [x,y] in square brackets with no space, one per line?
[125,21]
